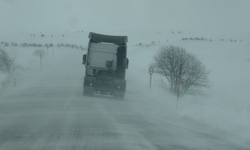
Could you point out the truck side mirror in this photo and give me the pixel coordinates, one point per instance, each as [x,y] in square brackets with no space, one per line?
[84,59]
[127,63]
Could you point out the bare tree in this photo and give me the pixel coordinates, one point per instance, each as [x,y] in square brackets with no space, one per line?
[7,64]
[39,52]
[194,74]
[50,45]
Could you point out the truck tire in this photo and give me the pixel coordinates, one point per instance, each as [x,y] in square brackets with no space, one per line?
[119,96]
[85,93]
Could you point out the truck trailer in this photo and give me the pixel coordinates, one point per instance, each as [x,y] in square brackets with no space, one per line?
[105,64]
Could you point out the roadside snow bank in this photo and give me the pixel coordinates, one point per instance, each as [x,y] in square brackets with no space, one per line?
[229,118]
[227,107]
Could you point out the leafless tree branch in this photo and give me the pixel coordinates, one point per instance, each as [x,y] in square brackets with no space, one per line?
[7,64]
[194,74]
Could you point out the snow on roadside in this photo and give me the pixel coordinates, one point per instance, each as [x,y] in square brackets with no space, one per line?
[30,71]
[227,107]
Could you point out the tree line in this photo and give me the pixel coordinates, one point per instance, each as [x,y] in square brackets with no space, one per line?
[194,75]
[47,45]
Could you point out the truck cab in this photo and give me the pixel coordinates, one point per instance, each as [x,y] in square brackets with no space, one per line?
[105,64]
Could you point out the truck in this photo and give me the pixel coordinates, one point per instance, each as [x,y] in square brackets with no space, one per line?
[105,65]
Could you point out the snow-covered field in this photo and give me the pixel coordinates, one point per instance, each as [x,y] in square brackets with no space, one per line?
[227,108]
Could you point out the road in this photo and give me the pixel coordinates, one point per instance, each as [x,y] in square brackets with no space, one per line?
[47,111]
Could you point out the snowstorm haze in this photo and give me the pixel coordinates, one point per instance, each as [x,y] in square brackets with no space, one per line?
[211,16]
[43,100]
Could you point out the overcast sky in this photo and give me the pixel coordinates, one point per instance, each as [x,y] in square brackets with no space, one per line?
[223,16]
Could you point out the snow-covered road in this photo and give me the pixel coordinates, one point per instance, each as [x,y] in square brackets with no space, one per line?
[48,111]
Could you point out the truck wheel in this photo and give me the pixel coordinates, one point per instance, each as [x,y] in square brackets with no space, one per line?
[88,93]
[119,96]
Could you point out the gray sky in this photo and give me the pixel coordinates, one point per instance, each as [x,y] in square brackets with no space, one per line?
[218,16]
